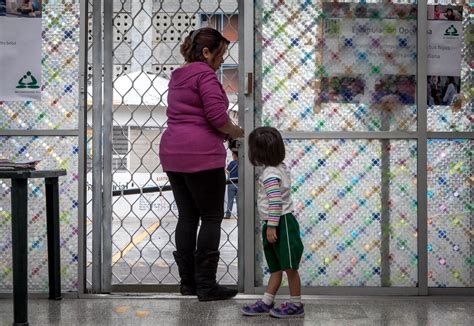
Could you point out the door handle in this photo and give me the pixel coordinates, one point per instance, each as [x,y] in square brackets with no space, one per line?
[248,84]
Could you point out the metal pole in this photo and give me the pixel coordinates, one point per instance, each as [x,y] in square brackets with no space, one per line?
[349,134]
[246,119]
[97,147]
[82,141]
[56,132]
[422,183]
[385,197]
[241,151]
[107,148]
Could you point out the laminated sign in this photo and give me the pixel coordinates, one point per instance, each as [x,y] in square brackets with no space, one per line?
[444,48]
[20,50]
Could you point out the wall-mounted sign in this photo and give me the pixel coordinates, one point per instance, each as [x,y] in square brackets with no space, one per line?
[20,50]
[445,33]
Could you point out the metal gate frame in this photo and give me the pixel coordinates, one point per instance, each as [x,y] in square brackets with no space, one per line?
[102,184]
[102,177]
[102,99]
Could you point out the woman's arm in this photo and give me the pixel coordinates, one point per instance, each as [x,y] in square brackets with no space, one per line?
[231,129]
[215,106]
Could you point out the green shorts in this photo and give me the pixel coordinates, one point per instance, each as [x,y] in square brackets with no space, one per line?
[286,252]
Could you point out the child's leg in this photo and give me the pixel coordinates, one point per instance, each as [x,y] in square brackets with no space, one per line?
[294,308]
[274,282]
[294,283]
[266,304]
[271,255]
[272,288]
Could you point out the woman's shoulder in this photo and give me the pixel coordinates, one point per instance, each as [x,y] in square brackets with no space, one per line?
[190,73]
[196,66]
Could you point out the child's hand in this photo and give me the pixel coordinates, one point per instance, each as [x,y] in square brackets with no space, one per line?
[271,234]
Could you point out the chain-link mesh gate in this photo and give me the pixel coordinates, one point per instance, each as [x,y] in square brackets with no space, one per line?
[146,40]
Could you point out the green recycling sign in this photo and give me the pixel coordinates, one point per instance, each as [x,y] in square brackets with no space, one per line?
[451,31]
[28,81]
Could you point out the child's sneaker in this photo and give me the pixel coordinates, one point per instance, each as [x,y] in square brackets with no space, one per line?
[288,310]
[258,308]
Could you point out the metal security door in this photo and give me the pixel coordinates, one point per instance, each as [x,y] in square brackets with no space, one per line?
[339,80]
[132,210]
[375,160]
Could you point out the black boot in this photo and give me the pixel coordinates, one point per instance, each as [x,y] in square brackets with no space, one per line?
[207,288]
[186,273]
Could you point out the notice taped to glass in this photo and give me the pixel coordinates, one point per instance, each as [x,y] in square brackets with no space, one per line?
[20,50]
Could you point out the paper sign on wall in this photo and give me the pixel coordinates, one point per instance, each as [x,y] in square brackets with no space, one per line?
[20,50]
[444,48]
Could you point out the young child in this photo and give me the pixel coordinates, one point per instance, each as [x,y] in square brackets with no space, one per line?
[281,236]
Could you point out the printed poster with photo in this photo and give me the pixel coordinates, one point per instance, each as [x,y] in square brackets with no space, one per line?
[20,50]
[387,33]
[445,33]
[388,41]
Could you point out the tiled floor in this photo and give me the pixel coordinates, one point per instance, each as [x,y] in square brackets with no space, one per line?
[173,310]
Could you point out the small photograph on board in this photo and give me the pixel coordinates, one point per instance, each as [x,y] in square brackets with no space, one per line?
[3,7]
[342,89]
[443,90]
[395,89]
[440,12]
[24,8]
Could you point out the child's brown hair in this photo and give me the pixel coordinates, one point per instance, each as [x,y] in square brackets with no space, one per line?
[266,147]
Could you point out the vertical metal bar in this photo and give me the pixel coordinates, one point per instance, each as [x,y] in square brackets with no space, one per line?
[385,216]
[81,214]
[471,220]
[385,211]
[52,227]
[241,157]
[19,200]
[221,19]
[241,121]
[97,147]
[246,118]
[107,148]
[422,182]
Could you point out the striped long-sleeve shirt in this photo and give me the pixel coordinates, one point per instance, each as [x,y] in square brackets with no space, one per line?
[273,191]
[274,194]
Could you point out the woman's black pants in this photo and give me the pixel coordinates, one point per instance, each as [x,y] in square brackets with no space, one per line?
[199,197]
